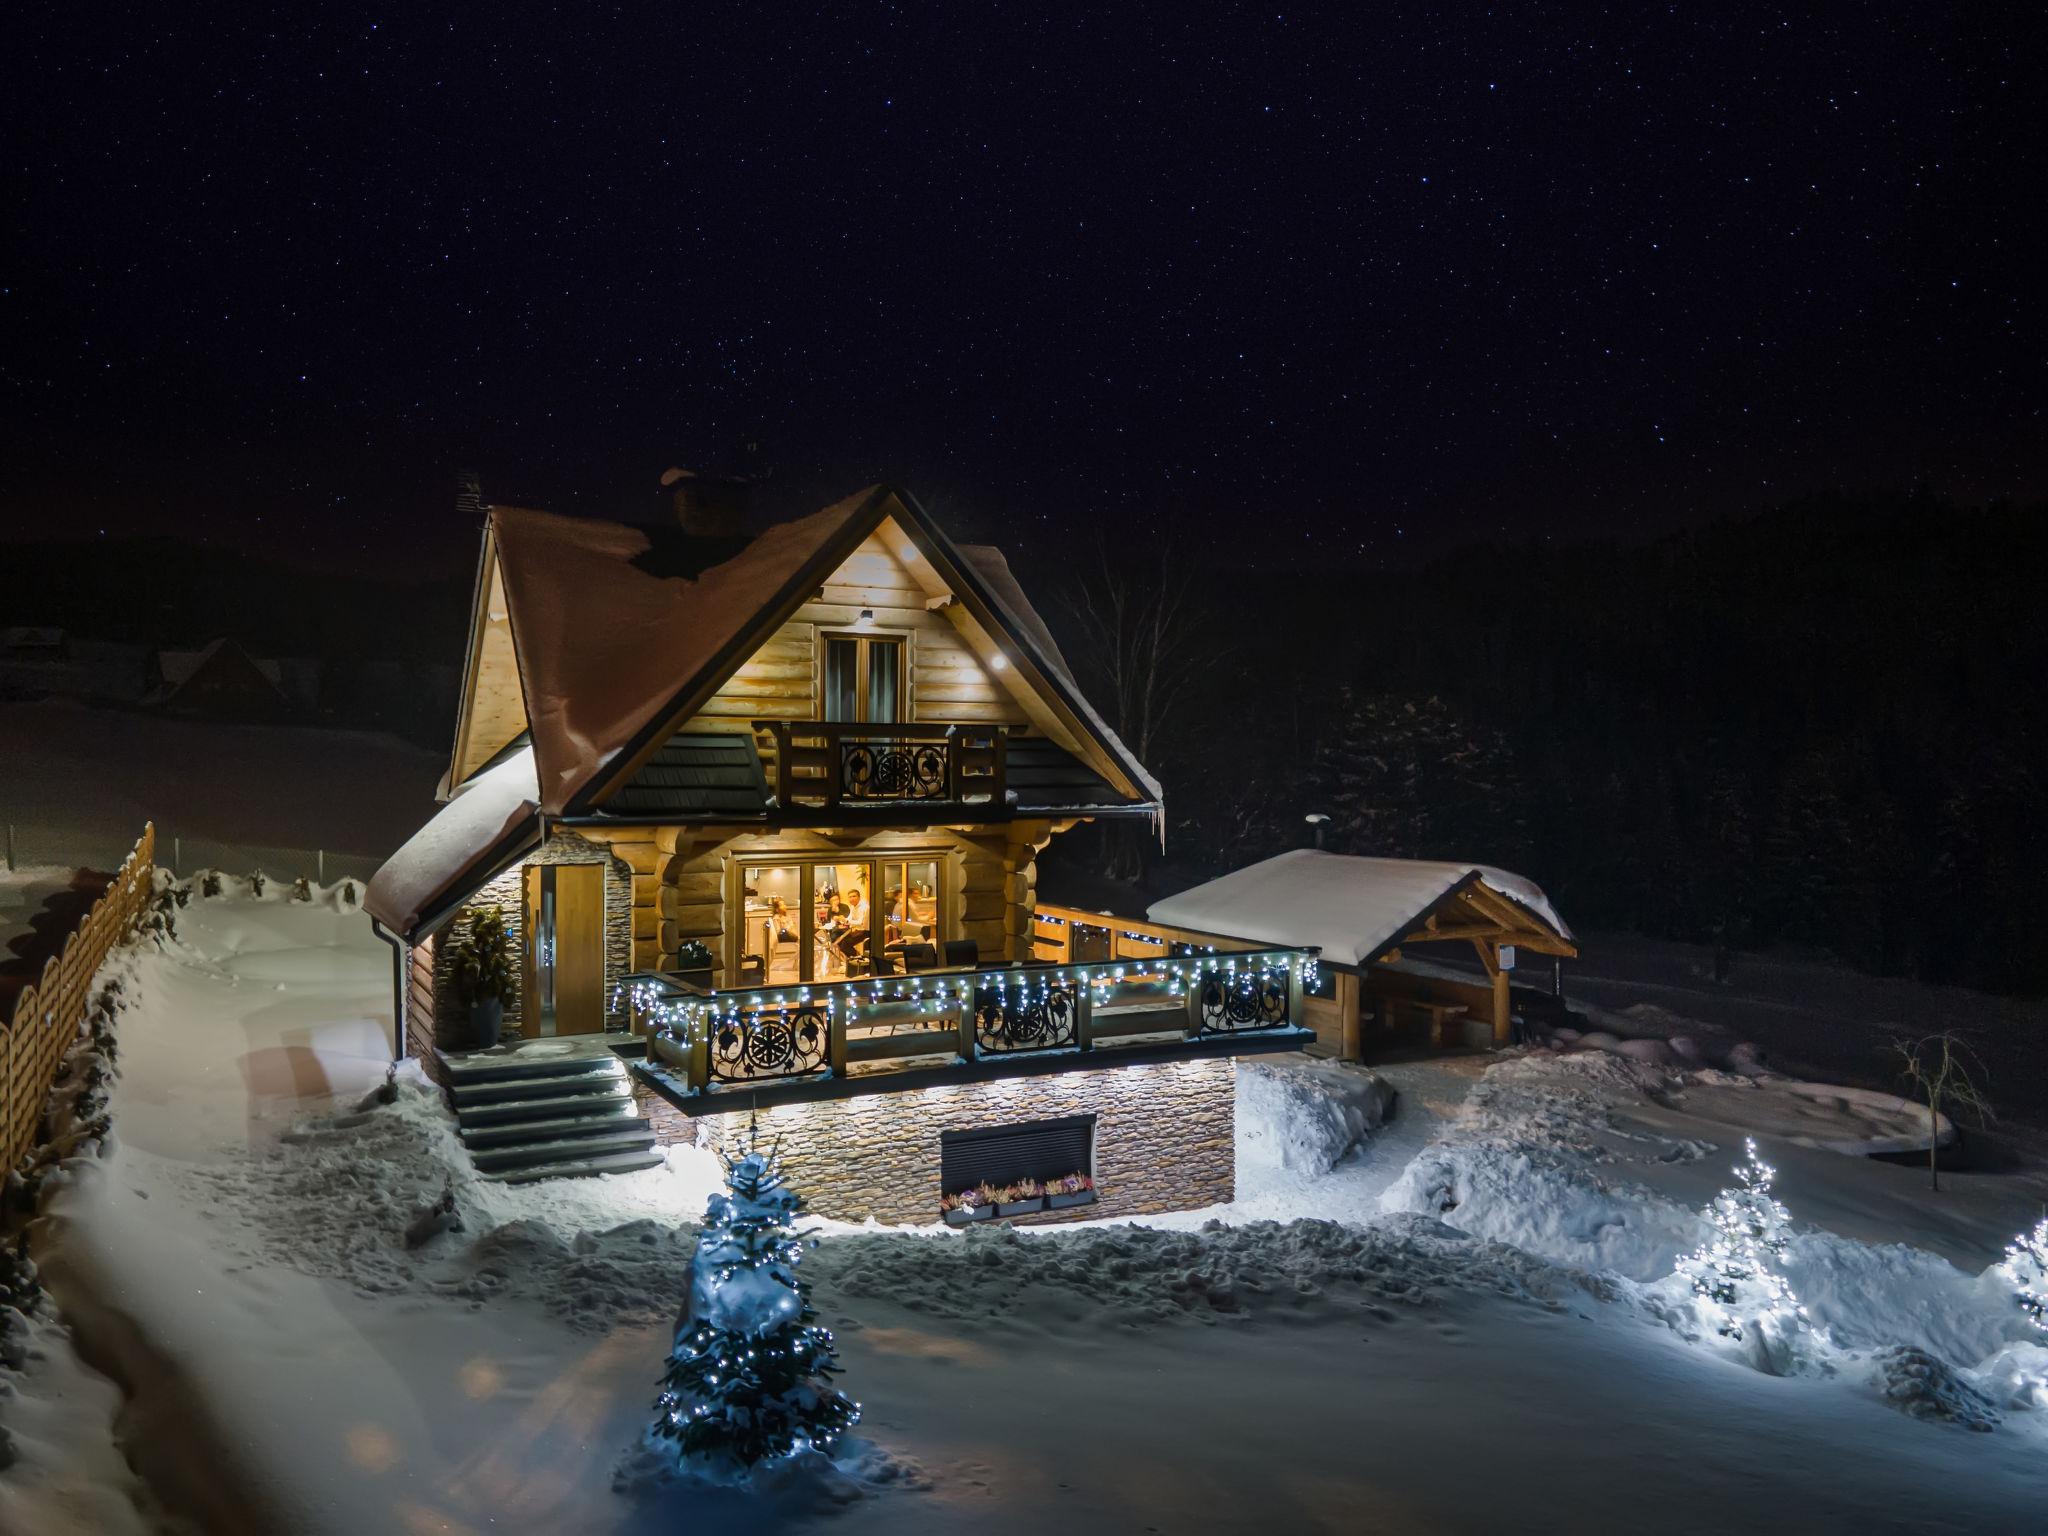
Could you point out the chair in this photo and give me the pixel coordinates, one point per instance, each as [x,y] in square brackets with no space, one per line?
[920,957]
[962,952]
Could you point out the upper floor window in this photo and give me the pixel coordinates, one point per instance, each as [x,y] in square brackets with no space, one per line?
[864,678]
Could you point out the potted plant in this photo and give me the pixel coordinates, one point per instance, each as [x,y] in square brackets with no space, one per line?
[482,960]
[693,964]
[1020,1199]
[1074,1189]
[970,1205]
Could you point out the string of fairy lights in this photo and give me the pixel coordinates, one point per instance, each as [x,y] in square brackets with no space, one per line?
[852,1002]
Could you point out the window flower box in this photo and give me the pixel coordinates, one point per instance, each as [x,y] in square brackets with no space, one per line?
[1023,1199]
[1074,1189]
[968,1207]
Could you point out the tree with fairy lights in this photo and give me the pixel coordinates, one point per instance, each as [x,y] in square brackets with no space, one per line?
[746,1381]
[1736,1271]
[2026,1266]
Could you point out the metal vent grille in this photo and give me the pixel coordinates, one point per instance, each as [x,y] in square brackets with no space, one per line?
[1008,1154]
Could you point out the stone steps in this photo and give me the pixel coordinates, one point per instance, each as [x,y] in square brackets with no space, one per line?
[548,1109]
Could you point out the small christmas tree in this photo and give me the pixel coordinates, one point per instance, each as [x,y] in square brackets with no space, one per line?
[2026,1266]
[1736,1270]
[747,1377]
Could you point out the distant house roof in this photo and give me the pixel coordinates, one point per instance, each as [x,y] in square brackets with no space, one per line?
[31,637]
[180,667]
[1353,909]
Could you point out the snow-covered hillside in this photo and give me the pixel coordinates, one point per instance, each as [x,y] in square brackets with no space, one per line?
[1465,1323]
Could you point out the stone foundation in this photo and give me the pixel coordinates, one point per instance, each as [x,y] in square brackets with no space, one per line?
[1165,1138]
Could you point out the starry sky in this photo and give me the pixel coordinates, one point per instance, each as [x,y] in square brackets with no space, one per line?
[1354,285]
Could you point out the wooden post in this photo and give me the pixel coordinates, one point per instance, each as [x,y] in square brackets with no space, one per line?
[1350,988]
[964,1022]
[698,1074]
[1295,1013]
[1489,957]
[1084,1014]
[835,1042]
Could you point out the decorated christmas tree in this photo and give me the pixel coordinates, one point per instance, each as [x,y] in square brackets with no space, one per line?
[747,1379]
[1736,1271]
[2026,1266]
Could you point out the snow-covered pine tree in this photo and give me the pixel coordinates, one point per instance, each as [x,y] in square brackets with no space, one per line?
[747,1379]
[1736,1271]
[2026,1266]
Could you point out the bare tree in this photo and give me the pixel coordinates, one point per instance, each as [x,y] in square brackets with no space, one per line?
[1943,1069]
[1141,636]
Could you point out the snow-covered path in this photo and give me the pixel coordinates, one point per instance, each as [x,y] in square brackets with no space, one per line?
[236,1261]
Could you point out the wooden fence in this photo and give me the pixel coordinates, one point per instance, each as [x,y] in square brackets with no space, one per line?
[49,1010]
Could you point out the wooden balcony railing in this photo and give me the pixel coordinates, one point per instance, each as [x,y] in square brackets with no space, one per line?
[707,1042]
[828,765]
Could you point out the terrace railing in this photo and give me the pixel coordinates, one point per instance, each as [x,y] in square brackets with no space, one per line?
[831,765]
[757,1036]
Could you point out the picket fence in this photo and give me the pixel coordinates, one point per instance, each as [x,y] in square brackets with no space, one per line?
[48,1012]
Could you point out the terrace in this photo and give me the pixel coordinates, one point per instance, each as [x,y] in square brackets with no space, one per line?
[1100,992]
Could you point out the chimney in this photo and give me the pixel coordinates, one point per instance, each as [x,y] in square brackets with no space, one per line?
[709,506]
[469,497]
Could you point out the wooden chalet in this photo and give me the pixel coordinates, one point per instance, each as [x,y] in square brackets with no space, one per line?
[763,815]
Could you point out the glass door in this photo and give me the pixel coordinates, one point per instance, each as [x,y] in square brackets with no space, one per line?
[864,678]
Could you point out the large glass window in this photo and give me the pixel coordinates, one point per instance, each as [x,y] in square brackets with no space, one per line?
[837,920]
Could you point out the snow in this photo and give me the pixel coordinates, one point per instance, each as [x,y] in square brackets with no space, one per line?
[486,811]
[1301,1116]
[1351,908]
[1482,1282]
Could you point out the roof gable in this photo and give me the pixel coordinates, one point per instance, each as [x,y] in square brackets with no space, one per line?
[601,639]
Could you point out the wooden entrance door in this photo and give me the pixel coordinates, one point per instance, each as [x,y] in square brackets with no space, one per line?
[563,991]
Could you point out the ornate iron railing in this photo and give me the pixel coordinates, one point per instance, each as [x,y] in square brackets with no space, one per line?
[751,1036]
[829,765]
[774,1042]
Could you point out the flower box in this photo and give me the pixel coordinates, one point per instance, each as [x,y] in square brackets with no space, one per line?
[967,1215]
[1021,1207]
[1059,1202]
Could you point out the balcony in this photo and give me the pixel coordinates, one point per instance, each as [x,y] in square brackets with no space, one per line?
[831,765]
[713,1051]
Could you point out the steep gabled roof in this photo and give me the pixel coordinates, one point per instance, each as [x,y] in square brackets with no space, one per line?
[619,636]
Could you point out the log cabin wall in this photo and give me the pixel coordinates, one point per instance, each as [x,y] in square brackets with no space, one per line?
[683,880]
[946,681]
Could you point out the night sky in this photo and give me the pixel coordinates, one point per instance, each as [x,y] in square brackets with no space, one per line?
[1345,287]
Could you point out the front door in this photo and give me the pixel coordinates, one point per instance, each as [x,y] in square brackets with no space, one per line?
[564,971]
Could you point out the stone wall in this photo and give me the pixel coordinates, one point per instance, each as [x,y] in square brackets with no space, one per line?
[507,893]
[1165,1139]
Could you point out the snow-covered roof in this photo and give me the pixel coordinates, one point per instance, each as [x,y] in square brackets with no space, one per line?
[616,631]
[1353,908]
[468,838]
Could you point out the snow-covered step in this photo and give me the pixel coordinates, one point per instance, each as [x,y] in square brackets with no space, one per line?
[469,1071]
[539,1154]
[501,1112]
[597,1077]
[598,1121]
[619,1162]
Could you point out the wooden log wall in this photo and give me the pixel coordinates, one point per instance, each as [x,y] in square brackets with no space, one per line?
[781,680]
[48,1012]
[682,879]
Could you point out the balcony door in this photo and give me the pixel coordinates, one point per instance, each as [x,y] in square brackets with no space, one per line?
[563,954]
[864,681]
[826,920]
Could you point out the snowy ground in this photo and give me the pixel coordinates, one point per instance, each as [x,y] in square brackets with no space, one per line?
[1460,1326]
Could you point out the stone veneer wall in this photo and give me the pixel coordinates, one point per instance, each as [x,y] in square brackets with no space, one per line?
[507,893]
[1165,1138]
